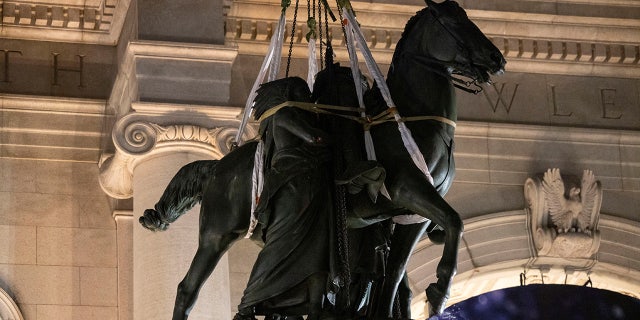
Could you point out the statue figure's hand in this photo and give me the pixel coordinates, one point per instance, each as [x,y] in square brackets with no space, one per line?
[320,140]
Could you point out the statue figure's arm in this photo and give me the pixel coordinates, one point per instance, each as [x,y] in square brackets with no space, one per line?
[297,124]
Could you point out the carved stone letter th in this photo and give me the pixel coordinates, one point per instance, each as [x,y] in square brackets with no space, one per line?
[57,69]
[6,54]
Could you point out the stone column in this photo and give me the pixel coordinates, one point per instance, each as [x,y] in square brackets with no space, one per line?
[161,259]
[124,237]
[190,72]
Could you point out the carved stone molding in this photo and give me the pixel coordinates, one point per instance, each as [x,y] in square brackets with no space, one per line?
[51,128]
[542,43]
[96,21]
[563,213]
[116,177]
[260,31]
[570,57]
[140,135]
[93,15]
[139,138]
[8,308]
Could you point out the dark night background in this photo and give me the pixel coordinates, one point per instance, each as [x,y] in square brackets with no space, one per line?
[537,302]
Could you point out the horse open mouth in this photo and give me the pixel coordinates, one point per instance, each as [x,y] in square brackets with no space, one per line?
[474,76]
[480,74]
[484,74]
[492,65]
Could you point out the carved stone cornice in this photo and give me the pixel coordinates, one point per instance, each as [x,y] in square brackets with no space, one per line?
[91,15]
[156,129]
[538,43]
[95,21]
[51,128]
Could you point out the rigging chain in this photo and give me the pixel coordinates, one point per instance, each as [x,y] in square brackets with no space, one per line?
[293,33]
[320,33]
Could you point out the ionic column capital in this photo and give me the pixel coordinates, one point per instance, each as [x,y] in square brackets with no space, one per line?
[157,129]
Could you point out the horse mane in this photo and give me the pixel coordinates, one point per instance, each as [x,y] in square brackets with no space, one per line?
[407,30]
[373,97]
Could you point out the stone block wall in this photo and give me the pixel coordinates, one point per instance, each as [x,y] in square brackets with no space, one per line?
[58,248]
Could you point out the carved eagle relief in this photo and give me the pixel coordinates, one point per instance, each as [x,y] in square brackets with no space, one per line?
[575,209]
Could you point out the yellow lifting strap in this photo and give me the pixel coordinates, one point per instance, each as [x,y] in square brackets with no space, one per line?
[388,115]
[368,122]
[313,107]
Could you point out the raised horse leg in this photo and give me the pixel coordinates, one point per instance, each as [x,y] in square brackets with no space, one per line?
[219,228]
[414,192]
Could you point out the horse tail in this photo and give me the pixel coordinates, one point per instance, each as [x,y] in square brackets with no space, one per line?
[183,192]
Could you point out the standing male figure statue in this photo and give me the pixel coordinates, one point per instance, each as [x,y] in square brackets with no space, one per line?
[294,209]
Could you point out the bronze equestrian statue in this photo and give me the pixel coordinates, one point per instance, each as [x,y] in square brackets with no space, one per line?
[438,43]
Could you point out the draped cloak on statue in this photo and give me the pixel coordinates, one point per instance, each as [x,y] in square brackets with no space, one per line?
[294,212]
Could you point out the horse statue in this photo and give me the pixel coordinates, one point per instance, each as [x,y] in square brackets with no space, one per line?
[438,43]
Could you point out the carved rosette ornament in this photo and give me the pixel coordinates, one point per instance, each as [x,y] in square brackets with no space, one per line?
[563,213]
[138,137]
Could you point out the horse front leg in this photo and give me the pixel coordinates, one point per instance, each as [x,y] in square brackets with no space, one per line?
[419,196]
[403,240]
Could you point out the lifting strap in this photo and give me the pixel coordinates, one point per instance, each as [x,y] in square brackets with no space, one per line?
[356,40]
[270,63]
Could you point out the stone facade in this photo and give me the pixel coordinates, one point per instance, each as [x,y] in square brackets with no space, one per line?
[102,101]
[59,250]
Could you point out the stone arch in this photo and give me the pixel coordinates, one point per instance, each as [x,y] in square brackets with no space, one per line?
[8,308]
[496,250]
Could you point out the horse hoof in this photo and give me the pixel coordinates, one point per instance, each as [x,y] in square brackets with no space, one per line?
[437,299]
[437,236]
[430,311]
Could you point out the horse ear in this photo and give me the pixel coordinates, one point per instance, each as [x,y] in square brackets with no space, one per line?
[432,3]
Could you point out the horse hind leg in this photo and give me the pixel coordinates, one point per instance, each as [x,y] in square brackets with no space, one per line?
[423,199]
[204,262]
[438,293]
[218,231]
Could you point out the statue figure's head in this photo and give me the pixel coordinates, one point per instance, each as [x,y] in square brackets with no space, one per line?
[335,86]
[279,91]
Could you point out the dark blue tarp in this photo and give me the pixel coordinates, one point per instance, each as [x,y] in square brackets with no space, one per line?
[540,301]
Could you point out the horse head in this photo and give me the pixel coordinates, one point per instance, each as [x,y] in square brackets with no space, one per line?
[451,39]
